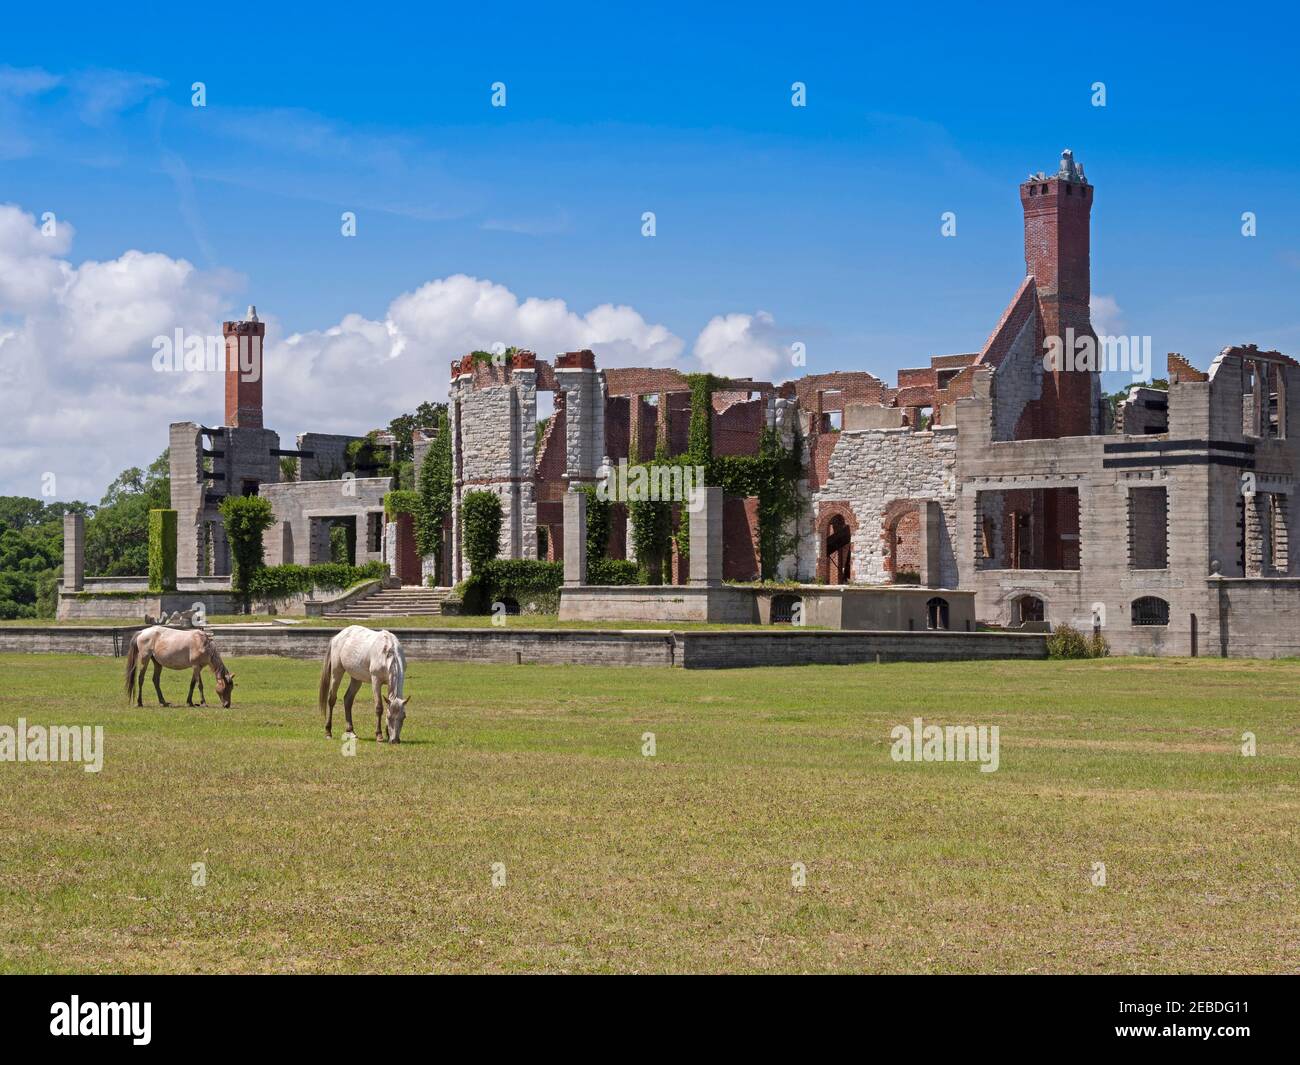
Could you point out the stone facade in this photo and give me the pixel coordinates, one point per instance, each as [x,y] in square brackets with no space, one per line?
[994,477]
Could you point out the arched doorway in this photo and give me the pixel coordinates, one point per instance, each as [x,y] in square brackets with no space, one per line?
[1027,608]
[839,551]
[936,613]
[836,527]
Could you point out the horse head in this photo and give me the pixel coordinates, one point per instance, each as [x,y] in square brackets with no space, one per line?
[225,685]
[396,715]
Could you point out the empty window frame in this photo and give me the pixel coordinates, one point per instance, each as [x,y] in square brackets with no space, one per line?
[1148,528]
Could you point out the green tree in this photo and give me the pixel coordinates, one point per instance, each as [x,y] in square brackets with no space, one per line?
[426,416]
[245,519]
[117,536]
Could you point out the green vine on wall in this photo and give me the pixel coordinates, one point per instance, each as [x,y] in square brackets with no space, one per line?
[772,475]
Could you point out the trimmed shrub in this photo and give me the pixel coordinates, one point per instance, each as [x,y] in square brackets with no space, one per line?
[608,571]
[245,519]
[274,584]
[162,550]
[401,501]
[532,584]
[480,515]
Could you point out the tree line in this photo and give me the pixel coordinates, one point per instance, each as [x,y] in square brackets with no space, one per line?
[117,528]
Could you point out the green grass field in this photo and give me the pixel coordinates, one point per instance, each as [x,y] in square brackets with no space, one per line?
[318,862]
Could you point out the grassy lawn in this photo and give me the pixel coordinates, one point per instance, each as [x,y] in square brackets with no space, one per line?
[682,861]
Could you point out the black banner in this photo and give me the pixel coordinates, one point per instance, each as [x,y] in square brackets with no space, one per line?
[214,1013]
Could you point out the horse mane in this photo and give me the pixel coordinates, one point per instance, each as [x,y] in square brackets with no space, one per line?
[394,662]
[218,666]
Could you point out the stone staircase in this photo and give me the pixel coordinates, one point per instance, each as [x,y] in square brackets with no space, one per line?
[393,603]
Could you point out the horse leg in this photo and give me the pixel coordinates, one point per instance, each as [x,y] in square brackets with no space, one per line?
[157,674]
[377,684]
[189,699]
[334,694]
[145,662]
[351,694]
[203,699]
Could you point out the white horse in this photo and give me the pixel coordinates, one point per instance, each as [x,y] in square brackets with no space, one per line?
[372,655]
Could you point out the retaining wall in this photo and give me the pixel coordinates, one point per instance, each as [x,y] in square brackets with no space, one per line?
[599,647]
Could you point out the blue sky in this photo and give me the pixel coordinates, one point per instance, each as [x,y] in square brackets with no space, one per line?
[819,224]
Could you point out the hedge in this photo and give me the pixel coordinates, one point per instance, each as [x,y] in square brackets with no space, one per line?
[275,584]
[607,571]
[533,584]
[401,501]
[162,550]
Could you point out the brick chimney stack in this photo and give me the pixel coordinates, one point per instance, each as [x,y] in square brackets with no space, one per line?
[244,371]
[1057,254]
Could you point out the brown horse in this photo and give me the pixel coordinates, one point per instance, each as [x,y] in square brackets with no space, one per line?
[176,649]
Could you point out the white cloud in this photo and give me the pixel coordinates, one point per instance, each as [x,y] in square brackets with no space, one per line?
[1107,318]
[81,398]
[741,345]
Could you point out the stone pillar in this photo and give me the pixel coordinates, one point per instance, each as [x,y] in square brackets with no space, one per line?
[931,527]
[74,552]
[575,539]
[706,537]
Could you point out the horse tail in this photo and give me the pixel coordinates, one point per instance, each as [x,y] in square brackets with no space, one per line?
[326,672]
[132,656]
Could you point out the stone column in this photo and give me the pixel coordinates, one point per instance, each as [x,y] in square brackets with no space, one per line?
[74,552]
[931,525]
[575,539]
[706,537]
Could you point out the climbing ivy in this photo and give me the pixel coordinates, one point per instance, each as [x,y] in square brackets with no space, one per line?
[480,514]
[434,489]
[772,475]
[598,524]
[652,534]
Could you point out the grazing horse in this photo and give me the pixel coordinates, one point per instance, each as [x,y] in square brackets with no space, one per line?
[372,655]
[176,649]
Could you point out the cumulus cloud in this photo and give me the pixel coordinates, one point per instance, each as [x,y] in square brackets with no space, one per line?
[741,345]
[1107,317]
[77,344]
[81,399]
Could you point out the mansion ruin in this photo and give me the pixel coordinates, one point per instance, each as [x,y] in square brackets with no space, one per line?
[995,482]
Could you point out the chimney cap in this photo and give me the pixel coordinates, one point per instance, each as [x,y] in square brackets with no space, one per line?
[252,314]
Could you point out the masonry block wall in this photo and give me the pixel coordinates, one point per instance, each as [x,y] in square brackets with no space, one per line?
[871,470]
[493,417]
[303,511]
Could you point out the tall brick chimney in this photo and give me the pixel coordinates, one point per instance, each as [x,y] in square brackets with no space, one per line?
[244,371]
[1057,254]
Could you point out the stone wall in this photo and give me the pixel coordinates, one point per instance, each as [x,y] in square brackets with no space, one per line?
[872,469]
[692,650]
[727,650]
